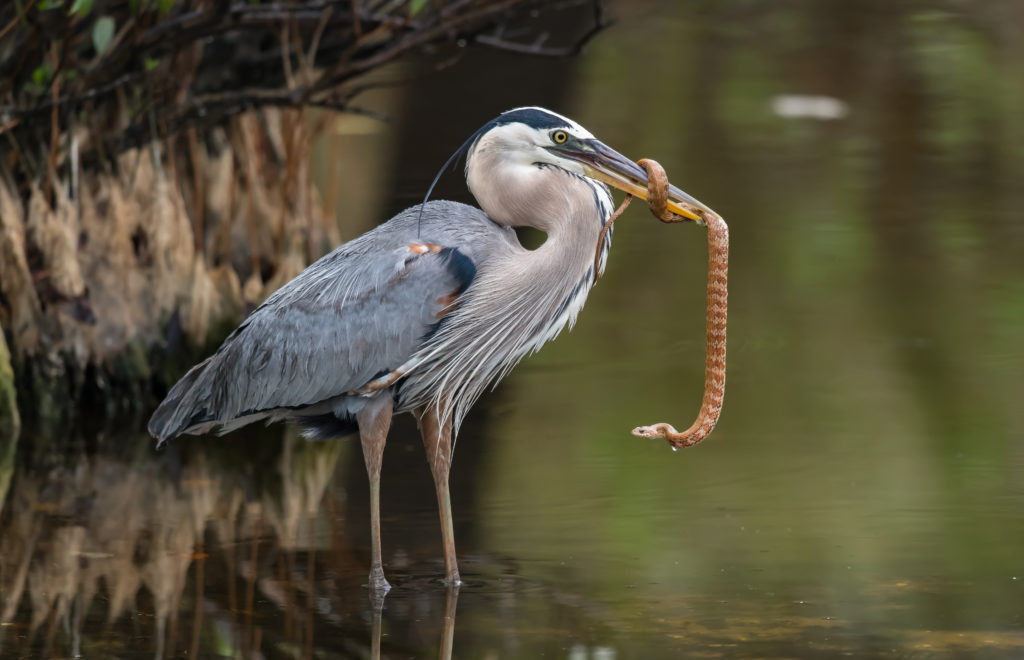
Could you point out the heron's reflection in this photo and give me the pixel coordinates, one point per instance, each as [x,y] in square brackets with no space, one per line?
[451,601]
[196,552]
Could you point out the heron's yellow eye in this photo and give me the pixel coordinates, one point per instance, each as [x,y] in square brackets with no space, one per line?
[559,137]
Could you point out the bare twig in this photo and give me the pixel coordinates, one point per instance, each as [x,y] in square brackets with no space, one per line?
[315,44]
[286,59]
[14,21]
[9,125]
[323,46]
[51,167]
[357,24]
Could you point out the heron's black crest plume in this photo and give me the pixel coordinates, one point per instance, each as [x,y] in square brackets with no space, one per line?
[532,117]
[451,159]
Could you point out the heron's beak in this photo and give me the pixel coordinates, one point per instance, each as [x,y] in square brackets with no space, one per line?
[603,163]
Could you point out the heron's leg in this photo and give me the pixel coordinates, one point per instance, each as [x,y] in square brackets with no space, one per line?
[374,420]
[437,439]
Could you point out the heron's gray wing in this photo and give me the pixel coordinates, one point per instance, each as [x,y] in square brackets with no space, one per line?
[349,320]
[355,314]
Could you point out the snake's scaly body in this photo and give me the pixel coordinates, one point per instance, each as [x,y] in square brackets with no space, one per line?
[717,314]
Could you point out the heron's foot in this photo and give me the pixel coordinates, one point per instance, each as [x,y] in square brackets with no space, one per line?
[378,584]
[452,579]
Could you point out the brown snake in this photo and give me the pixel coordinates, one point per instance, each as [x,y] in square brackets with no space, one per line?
[717,310]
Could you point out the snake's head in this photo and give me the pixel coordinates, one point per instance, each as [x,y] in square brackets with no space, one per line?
[654,431]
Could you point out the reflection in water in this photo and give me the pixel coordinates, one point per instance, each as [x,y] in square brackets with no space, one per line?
[195,552]
[96,537]
[186,555]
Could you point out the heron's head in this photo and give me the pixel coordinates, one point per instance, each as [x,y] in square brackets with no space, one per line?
[515,146]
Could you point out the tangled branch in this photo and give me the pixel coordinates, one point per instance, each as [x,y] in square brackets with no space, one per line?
[132,71]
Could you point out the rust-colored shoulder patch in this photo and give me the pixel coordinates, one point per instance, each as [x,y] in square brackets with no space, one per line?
[448,303]
[378,384]
[423,248]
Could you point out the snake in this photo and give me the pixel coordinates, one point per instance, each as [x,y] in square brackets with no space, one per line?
[716,315]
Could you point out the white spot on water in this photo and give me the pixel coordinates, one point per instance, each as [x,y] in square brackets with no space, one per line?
[803,106]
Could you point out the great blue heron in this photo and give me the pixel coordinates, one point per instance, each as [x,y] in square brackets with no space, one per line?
[422,313]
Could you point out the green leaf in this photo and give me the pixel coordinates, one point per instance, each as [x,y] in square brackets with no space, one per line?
[151,63]
[164,6]
[416,6]
[41,75]
[40,80]
[102,33]
[81,8]
[47,5]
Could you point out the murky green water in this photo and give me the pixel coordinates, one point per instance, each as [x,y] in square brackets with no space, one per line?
[863,495]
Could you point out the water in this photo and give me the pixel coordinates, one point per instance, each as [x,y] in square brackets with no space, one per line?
[861,497]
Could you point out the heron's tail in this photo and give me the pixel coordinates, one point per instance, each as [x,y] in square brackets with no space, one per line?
[185,407]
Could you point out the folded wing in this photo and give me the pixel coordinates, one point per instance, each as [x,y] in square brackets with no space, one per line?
[354,315]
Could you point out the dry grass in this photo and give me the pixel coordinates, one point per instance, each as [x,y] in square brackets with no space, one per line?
[85,278]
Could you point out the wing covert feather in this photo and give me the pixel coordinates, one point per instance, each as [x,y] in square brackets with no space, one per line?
[334,328]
